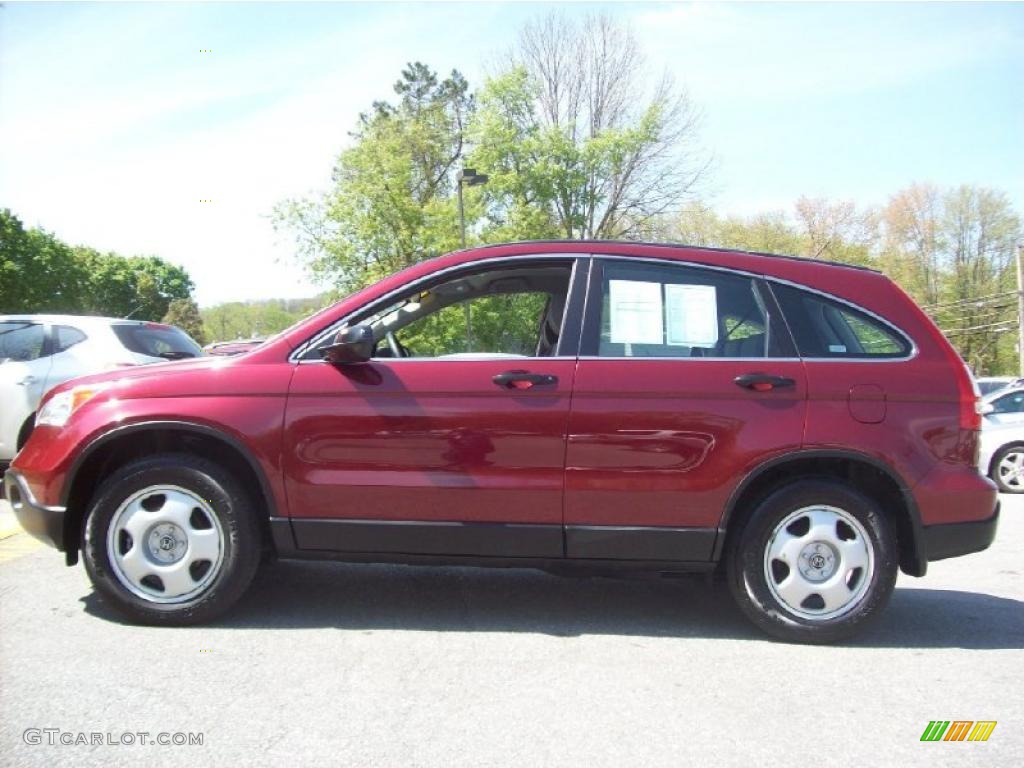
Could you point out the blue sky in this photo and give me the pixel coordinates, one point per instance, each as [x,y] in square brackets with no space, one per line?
[114,126]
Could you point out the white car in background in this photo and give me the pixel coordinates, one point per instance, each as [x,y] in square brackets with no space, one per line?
[1001,456]
[38,352]
[1004,406]
[989,384]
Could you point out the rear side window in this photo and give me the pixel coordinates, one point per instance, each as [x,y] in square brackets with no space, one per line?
[673,311]
[67,337]
[824,328]
[21,342]
[157,340]
[1011,403]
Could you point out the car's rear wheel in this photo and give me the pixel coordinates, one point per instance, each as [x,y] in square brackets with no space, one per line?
[814,563]
[171,539]
[1008,469]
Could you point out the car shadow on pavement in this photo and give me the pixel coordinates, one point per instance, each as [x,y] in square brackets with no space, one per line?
[303,595]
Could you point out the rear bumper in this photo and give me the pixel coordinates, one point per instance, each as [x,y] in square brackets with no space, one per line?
[45,523]
[955,539]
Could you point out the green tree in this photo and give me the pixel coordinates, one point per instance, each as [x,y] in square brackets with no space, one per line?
[392,199]
[140,287]
[575,143]
[256,319]
[184,313]
[38,273]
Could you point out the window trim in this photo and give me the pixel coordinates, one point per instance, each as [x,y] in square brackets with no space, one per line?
[768,280]
[775,324]
[585,274]
[896,331]
[567,347]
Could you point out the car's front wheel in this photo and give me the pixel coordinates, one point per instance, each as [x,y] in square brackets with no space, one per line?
[815,561]
[171,539]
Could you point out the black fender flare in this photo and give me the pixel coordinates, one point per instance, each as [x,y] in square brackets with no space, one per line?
[170,425]
[918,564]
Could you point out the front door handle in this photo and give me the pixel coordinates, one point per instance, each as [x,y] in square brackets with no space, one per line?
[523,379]
[763,382]
[30,379]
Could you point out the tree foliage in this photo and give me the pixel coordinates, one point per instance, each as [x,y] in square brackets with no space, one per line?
[391,203]
[184,313]
[573,144]
[256,319]
[952,250]
[569,129]
[39,273]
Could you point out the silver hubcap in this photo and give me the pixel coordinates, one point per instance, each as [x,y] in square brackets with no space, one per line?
[165,544]
[819,562]
[1011,470]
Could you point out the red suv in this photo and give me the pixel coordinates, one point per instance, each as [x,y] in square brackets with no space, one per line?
[570,406]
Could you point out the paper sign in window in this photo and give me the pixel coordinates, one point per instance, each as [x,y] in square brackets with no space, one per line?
[692,315]
[635,312]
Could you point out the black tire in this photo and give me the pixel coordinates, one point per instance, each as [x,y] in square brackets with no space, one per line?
[1001,454]
[233,522]
[749,568]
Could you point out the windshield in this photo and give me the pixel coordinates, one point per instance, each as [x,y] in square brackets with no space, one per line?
[156,340]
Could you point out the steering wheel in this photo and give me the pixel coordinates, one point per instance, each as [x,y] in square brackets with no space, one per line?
[397,350]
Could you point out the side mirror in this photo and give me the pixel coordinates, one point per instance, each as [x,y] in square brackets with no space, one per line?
[351,345]
[986,408]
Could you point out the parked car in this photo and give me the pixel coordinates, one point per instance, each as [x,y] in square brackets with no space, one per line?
[236,347]
[1002,455]
[37,352]
[989,384]
[1004,406]
[800,426]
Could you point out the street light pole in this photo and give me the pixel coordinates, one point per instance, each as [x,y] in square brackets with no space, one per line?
[462,215]
[468,177]
[1020,309]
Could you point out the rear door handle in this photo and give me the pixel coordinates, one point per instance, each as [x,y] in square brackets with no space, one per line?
[523,379]
[27,380]
[763,382]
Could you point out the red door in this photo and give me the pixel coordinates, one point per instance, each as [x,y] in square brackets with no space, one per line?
[456,457]
[687,382]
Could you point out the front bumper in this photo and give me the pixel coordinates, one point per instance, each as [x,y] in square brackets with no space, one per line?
[45,523]
[955,539]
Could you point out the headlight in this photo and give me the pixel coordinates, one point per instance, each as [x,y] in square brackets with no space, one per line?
[58,409]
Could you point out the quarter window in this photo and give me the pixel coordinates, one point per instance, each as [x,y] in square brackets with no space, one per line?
[667,311]
[21,342]
[824,328]
[67,337]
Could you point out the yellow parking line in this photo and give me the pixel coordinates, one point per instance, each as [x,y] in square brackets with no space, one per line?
[17,545]
[8,529]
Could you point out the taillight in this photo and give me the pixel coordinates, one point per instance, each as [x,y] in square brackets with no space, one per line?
[970,400]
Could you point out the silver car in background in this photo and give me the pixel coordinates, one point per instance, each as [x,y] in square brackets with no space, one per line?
[38,352]
[1001,456]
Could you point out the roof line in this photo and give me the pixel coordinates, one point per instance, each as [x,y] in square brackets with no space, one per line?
[709,248]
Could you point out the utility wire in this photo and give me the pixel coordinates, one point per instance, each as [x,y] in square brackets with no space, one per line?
[978,300]
[1003,326]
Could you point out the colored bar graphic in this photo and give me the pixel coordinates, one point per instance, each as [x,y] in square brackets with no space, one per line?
[960,730]
[982,730]
[934,730]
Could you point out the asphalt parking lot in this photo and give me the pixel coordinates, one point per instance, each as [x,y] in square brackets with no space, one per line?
[331,664]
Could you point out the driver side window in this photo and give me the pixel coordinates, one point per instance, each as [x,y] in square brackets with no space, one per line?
[506,324]
[514,311]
